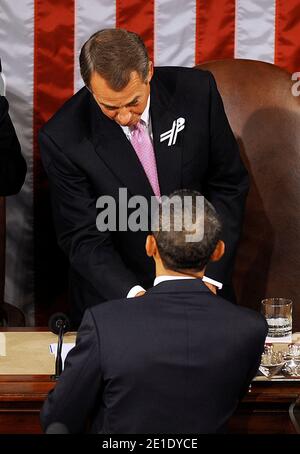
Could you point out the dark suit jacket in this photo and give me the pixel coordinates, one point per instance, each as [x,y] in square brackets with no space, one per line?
[87,155]
[12,164]
[176,360]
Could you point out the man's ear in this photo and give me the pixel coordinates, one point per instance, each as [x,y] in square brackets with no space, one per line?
[150,246]
[218,252]
[150,71]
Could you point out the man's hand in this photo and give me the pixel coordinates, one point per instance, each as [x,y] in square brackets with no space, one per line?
[211,287]
[140,294]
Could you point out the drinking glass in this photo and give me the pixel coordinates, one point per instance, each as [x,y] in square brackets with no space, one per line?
[278,313]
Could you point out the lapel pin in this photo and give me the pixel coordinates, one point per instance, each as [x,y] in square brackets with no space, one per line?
[177,126]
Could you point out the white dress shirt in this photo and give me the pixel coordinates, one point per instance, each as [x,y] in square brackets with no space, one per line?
[145,117]
[138,288]
[166,277]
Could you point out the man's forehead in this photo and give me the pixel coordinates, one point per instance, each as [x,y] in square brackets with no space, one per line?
[117,100]
[101,88]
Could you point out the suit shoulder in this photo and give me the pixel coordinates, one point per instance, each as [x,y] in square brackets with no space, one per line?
[71,116]
[177,80]
[182,73]
[246,320]
[118,309]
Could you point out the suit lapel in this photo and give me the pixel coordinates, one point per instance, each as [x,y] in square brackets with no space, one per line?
[168,158]
[113,147]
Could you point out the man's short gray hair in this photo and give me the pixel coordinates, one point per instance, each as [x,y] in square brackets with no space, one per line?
[114,54]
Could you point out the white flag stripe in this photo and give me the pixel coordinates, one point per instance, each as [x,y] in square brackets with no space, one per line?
[255,30]
[90,16]
[174,32]
[16,52]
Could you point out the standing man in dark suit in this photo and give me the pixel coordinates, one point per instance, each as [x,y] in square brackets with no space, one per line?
[176,360]
[148,130]
[12,164]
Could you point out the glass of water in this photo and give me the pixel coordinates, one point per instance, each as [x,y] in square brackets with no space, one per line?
[278,313]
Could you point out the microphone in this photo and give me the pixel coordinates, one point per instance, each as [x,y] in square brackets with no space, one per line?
[57,428]
[59,324]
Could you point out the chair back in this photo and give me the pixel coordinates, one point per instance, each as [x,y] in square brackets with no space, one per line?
[264,112]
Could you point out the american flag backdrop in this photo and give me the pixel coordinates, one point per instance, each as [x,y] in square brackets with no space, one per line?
[39,45]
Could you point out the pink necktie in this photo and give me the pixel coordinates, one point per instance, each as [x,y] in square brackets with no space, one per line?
[142,144]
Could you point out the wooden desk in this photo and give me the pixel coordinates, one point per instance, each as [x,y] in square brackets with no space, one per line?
[25,351]
[21,398]
[263,410]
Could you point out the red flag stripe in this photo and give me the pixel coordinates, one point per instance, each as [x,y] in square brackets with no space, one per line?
[287,29]
[138,17]
[215,30]
[53,63]
[53,85]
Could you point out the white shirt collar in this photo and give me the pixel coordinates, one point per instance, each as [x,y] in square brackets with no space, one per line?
[146,114]
[160,279]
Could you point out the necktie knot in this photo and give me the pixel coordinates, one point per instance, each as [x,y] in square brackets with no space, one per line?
[138,130]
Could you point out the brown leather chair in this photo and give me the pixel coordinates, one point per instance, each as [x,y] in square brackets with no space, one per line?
[265,118]
[9,315]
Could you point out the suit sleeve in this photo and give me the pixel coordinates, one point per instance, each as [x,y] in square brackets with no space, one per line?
[258,334]
[226,184]
[12,164]
[91,252]
[78,390]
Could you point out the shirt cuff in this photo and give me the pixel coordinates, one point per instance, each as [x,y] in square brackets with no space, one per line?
[217,284]
[134,290]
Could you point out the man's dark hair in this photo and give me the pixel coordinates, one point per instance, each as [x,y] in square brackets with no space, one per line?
[114,54]
[172,232]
